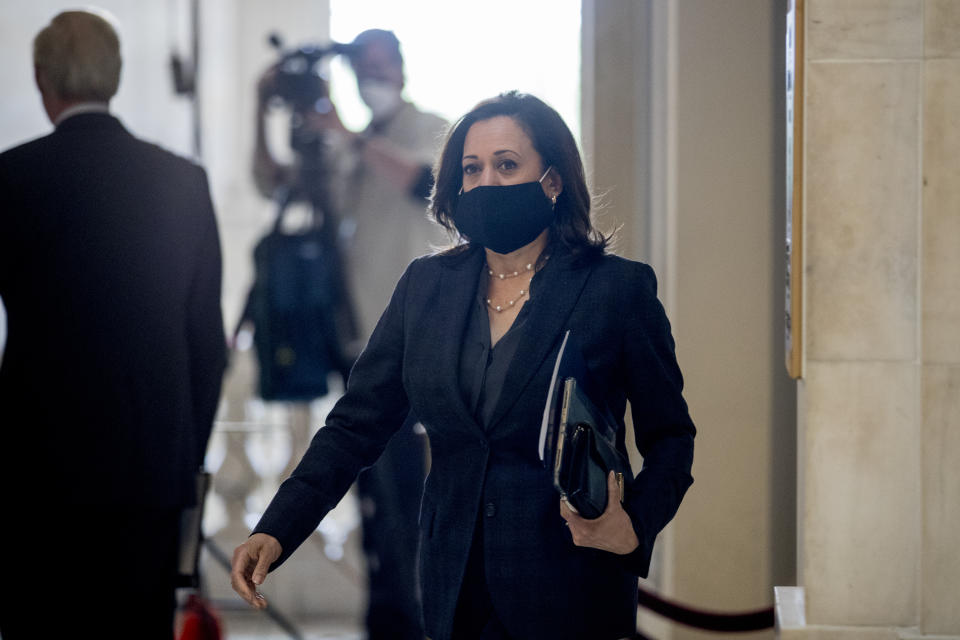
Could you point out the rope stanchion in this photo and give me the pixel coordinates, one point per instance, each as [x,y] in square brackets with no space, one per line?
[708,620]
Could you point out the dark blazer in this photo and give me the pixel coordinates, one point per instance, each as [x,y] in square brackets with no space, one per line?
[542,585]
[110,273]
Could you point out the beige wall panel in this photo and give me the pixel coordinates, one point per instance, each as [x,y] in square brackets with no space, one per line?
[941,28]
[941,212]
[862,174]
[728,301]
[844,29]
[610,144]
[720,271]
[941,500]
[862,493]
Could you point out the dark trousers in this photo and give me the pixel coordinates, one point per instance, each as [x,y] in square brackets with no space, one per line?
[389,494]
[102,573]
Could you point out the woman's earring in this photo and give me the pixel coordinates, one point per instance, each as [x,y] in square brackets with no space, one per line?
[553,199]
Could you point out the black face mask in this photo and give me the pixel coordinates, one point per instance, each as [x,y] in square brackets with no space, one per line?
[503,218]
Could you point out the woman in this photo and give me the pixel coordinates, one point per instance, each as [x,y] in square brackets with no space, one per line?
[468,344]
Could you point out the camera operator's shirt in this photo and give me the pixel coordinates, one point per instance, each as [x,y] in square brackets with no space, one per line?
[390,225]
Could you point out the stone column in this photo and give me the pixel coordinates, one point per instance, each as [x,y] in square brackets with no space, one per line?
[940,322]
[683,137]
[879,487]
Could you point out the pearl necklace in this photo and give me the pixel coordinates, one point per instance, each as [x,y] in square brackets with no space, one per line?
[500,308]
[514,274]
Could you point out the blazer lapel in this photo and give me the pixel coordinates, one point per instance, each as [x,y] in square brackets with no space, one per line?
[559,289]
[443,334]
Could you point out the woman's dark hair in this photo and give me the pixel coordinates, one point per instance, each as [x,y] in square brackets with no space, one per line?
[552,139]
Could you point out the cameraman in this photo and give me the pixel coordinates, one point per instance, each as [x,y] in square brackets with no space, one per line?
[380,179]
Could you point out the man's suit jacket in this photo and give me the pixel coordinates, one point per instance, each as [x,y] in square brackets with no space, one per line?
[110,273]
[541,584]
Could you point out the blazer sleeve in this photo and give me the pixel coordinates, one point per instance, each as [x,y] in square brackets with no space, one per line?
[662,425]
[7,231]
[205,335]
[356,432]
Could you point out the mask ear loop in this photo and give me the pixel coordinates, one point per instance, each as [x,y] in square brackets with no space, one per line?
[553,198]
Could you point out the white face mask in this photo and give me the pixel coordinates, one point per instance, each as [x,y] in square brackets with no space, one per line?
[383,98]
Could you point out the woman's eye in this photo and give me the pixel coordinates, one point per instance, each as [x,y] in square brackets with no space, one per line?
[469,169]
[507,165]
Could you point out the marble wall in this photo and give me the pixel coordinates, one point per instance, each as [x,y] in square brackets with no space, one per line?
[940,320]
[879,444]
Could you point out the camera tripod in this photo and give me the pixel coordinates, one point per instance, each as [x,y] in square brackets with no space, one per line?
[300,303]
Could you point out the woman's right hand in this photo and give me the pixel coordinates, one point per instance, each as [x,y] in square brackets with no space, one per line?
[251,560]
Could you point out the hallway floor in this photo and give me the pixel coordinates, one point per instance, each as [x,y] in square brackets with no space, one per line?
[256,625]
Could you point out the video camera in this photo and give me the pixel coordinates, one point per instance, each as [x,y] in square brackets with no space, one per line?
[300,82]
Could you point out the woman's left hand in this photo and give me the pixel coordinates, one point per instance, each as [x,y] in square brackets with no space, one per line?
[612,531]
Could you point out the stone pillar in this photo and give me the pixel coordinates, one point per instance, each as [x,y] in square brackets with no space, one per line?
[879,486]
[682,109]
[940,322]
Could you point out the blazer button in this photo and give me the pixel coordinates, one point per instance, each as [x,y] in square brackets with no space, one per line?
[490,510]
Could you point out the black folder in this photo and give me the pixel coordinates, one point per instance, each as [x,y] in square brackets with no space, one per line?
[578,437]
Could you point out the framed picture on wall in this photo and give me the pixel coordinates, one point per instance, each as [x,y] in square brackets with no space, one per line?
[793,299]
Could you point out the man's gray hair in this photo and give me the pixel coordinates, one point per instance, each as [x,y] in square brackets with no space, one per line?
[78,57]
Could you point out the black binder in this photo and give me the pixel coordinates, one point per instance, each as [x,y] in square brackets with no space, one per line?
[578,437]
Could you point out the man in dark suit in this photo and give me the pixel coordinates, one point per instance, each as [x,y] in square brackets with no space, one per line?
[110,273]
